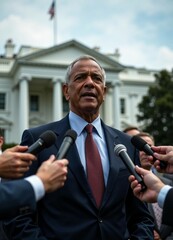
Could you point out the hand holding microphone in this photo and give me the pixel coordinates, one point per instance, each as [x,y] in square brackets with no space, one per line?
[45,140]
[121,151]
[142,145]
[16,161]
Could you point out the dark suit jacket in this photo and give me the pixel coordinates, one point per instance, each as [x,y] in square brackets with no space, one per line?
[14,200]
[165,231]
[167,217]
[70,213]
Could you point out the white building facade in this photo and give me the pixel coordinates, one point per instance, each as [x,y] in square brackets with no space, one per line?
[31,87]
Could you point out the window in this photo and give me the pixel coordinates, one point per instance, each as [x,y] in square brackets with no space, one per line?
[34,103]
[122,106]
[2,101]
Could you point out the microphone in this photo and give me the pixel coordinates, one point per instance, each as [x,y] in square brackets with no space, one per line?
[142,145]
[69,139]
[45,140]
[121,151]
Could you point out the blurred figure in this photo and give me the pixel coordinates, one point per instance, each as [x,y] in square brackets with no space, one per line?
[161,231]
[131,130]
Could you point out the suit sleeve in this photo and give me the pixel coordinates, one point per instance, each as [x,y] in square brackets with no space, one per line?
[24,226]
[167,217]
[13,199]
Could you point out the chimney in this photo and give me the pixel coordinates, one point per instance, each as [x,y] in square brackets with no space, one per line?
[97,48]
[115,56]
[9,49]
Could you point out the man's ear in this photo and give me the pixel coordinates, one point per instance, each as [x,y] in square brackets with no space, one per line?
[65,91]
[104,94]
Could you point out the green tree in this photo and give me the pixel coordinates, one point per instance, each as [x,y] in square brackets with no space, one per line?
[156,109]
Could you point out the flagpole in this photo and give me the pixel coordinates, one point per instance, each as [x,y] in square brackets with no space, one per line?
[55,24]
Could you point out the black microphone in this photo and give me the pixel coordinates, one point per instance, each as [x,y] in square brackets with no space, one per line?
[121,151]
[45,140]
[142,145]
[69,139]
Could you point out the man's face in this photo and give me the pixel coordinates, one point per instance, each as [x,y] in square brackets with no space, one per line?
[133,132]
[86,89]
[143,156]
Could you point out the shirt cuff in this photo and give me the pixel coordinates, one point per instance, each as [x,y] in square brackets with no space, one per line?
[37,185]
[162,195]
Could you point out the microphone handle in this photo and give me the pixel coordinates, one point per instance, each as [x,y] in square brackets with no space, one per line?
[36,147]
[149,151]
[131,167]
[65,146]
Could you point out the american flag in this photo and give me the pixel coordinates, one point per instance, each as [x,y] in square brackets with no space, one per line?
[52,9]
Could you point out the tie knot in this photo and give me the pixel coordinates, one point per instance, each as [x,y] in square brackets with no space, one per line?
[89,128]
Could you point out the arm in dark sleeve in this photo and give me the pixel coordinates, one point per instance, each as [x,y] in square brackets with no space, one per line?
[167,217]
[24,226]
[14,199]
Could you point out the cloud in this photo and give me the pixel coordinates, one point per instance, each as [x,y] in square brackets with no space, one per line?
[142,32]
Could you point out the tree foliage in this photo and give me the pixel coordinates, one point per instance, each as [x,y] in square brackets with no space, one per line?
[156,109]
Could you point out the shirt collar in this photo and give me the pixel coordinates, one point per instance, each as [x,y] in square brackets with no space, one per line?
[78,124]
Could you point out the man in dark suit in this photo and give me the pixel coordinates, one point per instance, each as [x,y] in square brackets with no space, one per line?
[74,211]
[161,231]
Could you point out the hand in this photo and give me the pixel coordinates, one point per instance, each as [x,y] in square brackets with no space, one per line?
[53,173]
[153,183]
[156,235]
[14,162]
[163,153]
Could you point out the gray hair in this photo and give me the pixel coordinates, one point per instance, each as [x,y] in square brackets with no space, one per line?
[85,57]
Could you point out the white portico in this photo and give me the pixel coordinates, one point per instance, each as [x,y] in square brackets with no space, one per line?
[31,87]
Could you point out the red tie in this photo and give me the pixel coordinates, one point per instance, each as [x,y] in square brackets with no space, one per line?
[94,166]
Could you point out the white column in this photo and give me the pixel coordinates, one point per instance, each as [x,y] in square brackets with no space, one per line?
[116,104]
[23,103]
[107,107]
[57,99]
[133,108]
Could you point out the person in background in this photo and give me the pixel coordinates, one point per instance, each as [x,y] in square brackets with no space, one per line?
[92,204]
[161,231]
[131,130]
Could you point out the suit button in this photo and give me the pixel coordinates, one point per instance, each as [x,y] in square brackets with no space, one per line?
[100,220]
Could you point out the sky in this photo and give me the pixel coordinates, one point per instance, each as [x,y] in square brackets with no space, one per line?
[142,31]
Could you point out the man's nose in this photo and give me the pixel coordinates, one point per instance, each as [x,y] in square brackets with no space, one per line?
[89,80]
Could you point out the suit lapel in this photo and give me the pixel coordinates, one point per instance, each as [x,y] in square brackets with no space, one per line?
[111,138]
[75,165]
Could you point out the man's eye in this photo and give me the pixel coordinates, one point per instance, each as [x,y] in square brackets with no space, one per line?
[97,78]
[79,78]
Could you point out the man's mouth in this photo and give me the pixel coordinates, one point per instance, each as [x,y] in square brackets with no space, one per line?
[89,94]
